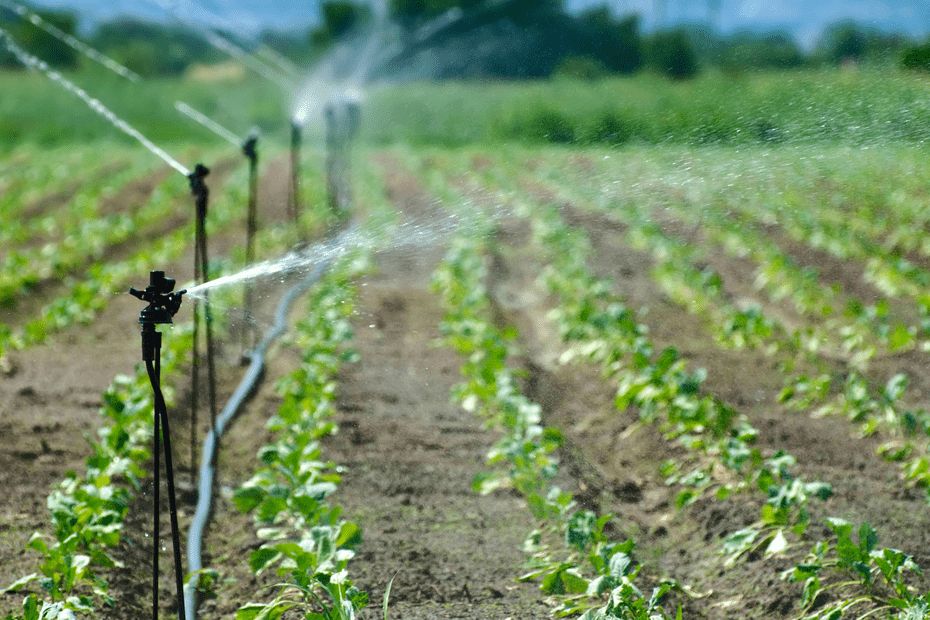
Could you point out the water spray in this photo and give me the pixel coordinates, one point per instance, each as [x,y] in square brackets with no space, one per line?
[163,304]
[201,195]
[207,122]
[73,42]
[30,61]
[223,44]
[343,118]
[294,201]
[284,64]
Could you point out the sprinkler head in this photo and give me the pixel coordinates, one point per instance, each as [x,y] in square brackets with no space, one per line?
[353,117]
[198,186]
[163,304]
[250,145]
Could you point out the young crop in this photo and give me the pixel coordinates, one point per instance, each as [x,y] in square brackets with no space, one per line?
[851,577]
[307,543]
[87,296]
[88,511]
[575,562]
[699,289]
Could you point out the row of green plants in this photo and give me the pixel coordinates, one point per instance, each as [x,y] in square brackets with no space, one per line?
[572,555]
[28,175]
[87,295]
[849,568]
[307,543]
[88,511]
[87,236]
[838,383]
[873,579]
[68,211]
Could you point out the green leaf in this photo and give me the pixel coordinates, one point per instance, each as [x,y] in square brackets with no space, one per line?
[22,582]
[868,538]
[387,597]
[31,608]
[247,498]
[778,544]
[263,558]
[565,579]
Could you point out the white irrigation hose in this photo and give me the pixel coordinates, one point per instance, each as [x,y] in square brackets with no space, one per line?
[243,391]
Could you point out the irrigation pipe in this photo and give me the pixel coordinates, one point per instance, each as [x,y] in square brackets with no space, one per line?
[242,393]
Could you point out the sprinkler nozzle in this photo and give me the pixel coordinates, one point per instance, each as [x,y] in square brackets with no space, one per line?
[198,186]
[249,146]
[163,303]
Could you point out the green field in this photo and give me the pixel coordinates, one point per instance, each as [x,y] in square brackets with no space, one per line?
[636,349]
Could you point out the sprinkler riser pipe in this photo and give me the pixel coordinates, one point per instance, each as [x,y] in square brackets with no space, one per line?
[296,145]
[250,149]
[201,268]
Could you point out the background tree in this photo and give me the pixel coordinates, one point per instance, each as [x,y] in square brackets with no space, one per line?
[916,58]
[671,53]
[39,43]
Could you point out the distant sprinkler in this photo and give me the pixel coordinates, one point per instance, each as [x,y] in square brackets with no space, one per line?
[69,40]
[343,117]
[202,312]
[249,148]
[294,202]
[163,304]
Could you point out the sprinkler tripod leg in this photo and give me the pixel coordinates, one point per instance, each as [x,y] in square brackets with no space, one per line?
[156,510]
[294,202]
[163,432]
[195,381]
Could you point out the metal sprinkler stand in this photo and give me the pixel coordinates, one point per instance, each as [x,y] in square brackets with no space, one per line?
[250,150]
[163,304]
[201,274]
[342,123]
[353,121]
[296,142]
[331,115]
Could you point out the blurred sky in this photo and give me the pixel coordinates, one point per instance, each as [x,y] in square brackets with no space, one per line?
[805,19]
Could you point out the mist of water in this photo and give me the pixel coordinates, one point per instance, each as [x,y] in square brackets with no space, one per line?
[414,234]
[285,65]
[71,41]
[368,58]
[207,122]
[221,43]
[94,104]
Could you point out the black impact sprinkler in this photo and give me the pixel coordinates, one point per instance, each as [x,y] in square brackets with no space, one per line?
[163,304]
[201,195]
